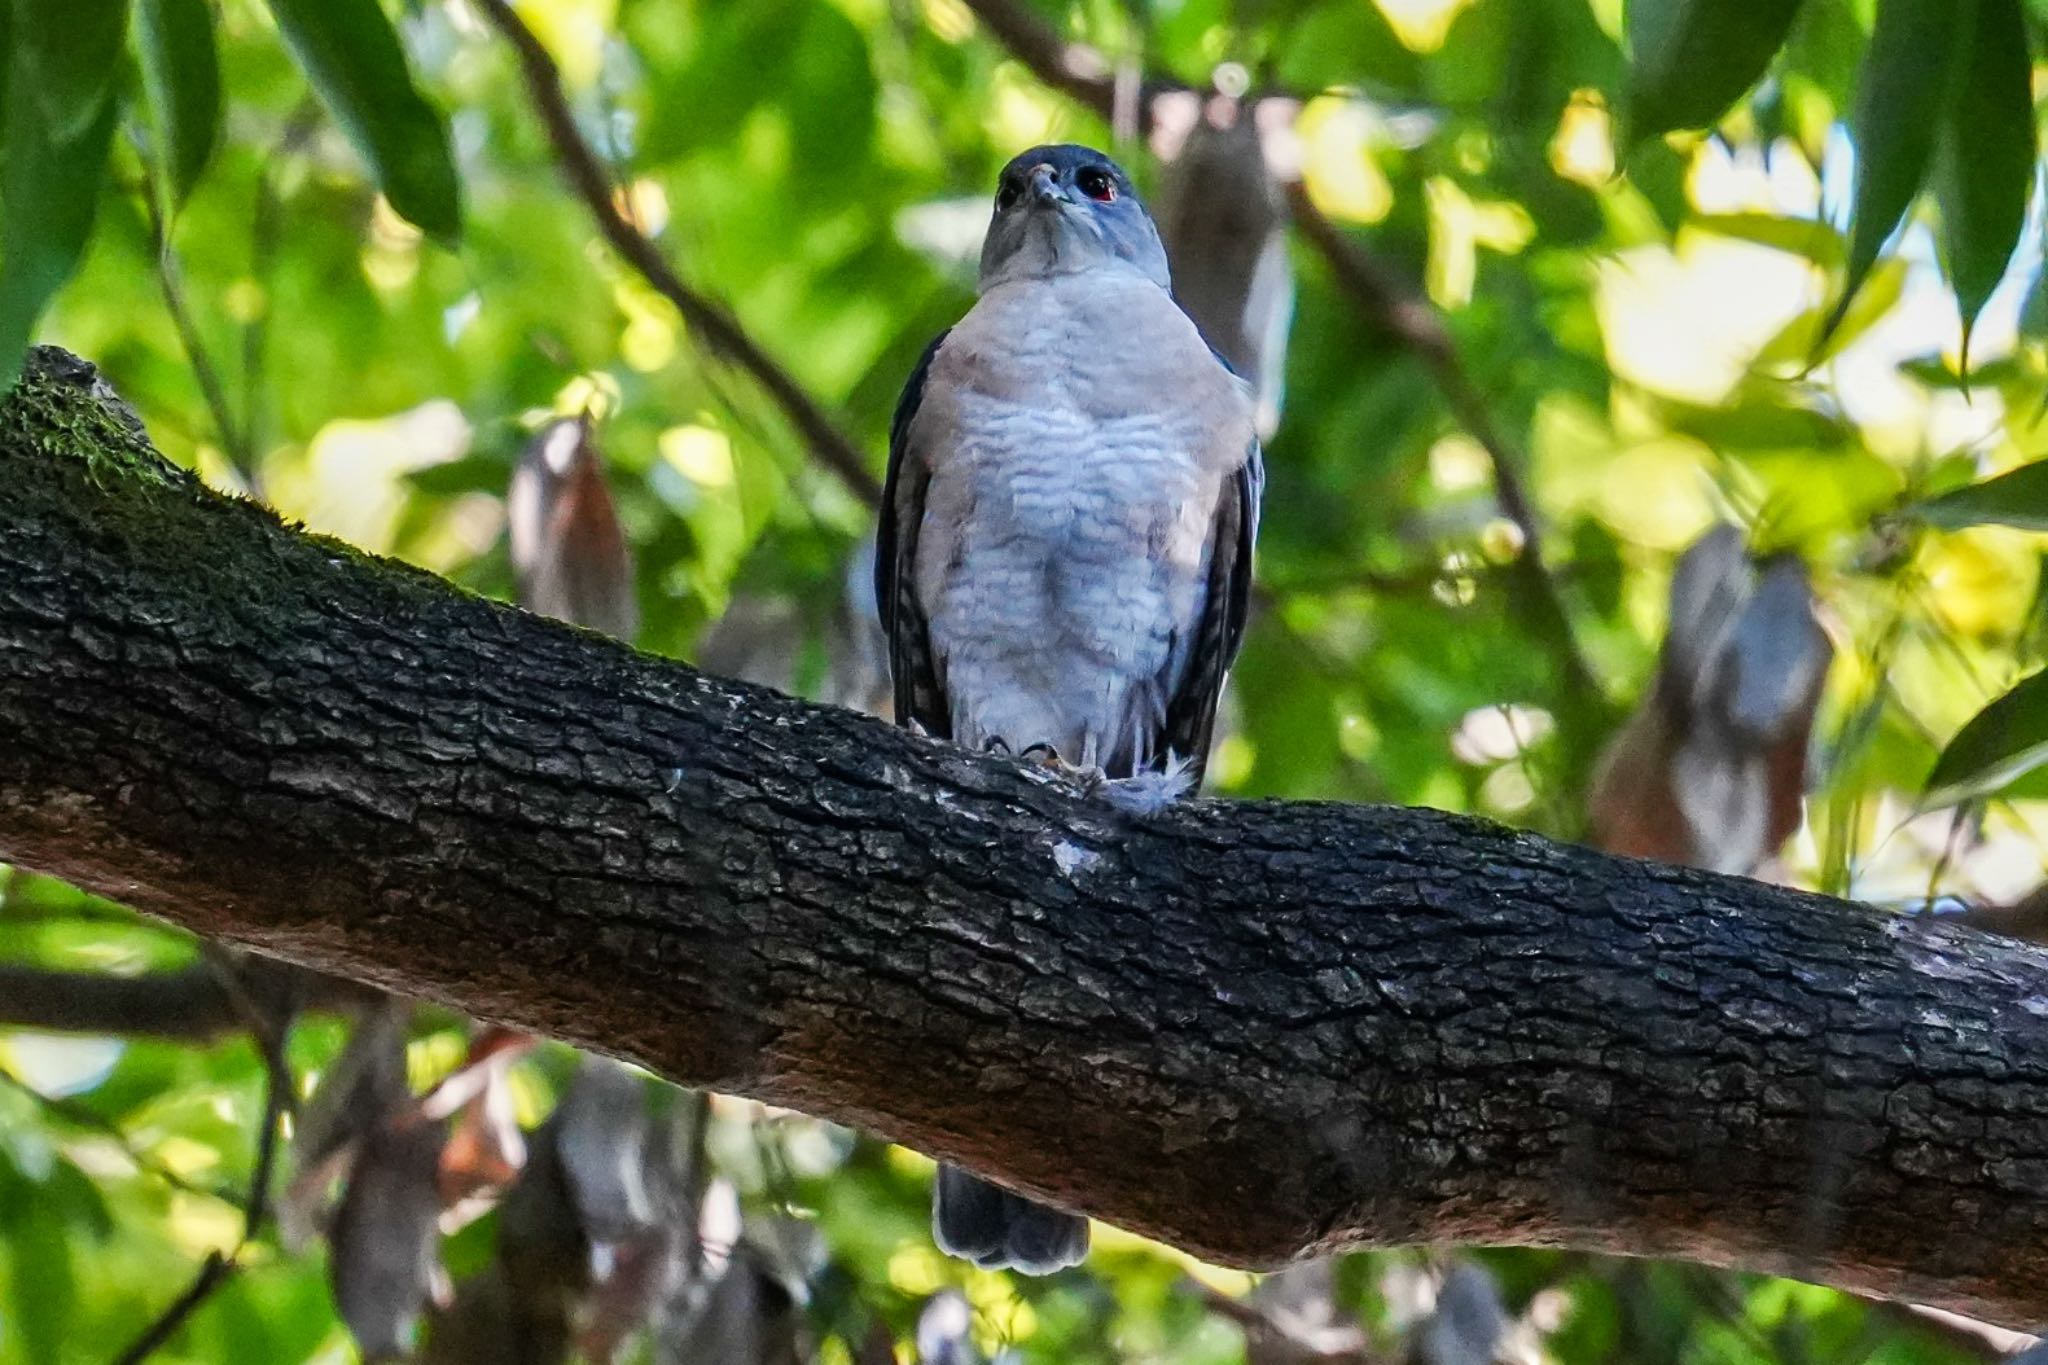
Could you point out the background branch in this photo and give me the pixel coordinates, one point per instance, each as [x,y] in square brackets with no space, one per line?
[217,1268]
[1077,70]
[188,1005]
[706,318]
[1410,320]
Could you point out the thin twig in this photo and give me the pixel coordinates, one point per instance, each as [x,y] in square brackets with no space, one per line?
[1411,321]
[268,1022]
[79,1116]
[1345,1346]
[1083,72]
[217,1269]
[708,319]
[266,223]
[1075,69]
[212,1275]
[690,1136]
[170,283]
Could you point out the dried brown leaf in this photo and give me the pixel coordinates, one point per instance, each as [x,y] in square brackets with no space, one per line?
[569,552]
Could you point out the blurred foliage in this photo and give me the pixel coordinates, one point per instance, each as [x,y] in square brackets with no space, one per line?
[1672,327]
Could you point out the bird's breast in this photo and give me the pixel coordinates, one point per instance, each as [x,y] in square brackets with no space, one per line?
[1074,479]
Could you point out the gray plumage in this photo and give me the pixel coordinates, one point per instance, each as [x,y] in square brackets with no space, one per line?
[1065,549]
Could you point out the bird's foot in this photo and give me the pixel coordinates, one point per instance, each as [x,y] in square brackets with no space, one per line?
[1145,793]
[1046,762]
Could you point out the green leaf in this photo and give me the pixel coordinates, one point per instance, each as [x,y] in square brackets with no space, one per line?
[1691,59]
[351,55]
[1934,372]
[1902,95]
[2018,497]
[6,63]
[1984,165]
[45,1285]
[2006,740]
[1820,334]
[2034,311]
[181,81]
[74,51]
[49,190]
[1803,237]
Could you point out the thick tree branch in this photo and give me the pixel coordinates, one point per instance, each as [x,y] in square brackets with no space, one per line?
[717,327]
[1254,1030]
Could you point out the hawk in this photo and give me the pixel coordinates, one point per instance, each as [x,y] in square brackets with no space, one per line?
[1065,551]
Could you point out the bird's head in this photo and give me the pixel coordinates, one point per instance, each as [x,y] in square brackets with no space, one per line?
[1065,209]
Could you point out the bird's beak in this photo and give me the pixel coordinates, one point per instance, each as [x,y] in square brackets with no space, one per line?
[1045,185]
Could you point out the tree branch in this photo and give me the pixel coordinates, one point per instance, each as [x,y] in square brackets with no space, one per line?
[1076,70]
[218,1269]
[65,1110]
[1411,321]
[707,318]
[1253,1030]
[188,1005]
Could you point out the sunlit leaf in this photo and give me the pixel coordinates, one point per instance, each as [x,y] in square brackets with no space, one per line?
[1691,59]
[352,57]
[1337,44]
[74,49]
[1902,95]
[2018,497]
[181,80]
[49,189]
[1822,333]
[1984,168]
[1758,416]
[1807,238]
[2005,740]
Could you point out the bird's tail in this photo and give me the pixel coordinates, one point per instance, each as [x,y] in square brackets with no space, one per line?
[995,1229]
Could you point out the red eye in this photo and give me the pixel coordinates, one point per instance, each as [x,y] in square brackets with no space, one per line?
[1094,182]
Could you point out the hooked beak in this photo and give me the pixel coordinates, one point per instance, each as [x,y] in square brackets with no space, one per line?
[1045,185]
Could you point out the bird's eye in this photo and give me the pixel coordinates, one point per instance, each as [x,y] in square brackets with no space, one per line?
[1095,182]
[1006,194]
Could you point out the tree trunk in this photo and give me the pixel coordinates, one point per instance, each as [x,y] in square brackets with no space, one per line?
[1253,1030]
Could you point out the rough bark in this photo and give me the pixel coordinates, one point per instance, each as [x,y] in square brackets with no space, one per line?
[1253,1030]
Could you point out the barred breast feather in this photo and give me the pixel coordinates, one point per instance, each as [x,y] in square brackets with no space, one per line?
[1073,488]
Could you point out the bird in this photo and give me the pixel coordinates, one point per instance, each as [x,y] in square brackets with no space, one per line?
[1064,556]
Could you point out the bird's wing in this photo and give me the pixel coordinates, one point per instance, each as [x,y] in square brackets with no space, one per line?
[919,695]
[1191,710]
